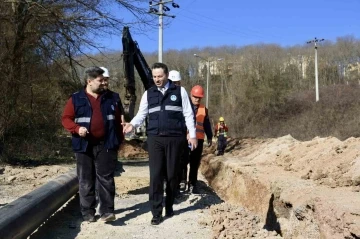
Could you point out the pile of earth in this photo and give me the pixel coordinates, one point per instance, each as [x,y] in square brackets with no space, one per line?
[298,189]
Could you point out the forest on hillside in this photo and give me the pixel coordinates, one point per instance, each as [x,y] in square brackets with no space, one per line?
[262,90]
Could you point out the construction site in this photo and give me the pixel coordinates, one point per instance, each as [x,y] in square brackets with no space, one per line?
[266,91]
[260,188]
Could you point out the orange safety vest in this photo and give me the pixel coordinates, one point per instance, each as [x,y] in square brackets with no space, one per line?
[200,117]
[221,131]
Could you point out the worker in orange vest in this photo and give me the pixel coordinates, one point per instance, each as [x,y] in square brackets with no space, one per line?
[203,127]
[221,131]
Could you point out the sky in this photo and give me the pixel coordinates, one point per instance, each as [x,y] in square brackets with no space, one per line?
[210,23]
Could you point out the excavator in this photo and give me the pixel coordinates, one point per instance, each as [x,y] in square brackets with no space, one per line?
[132,57]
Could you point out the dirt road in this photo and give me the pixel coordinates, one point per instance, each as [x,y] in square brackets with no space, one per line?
[202,215]
[132,213]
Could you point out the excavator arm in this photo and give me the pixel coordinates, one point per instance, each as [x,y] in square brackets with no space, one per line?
[133,57]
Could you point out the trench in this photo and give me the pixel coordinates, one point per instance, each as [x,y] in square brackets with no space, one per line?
[289,205]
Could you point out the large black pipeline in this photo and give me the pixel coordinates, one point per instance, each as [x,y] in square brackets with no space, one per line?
[23,216]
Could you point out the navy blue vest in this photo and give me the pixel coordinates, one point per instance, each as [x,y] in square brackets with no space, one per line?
[165,112]
[83,113]
[116,99]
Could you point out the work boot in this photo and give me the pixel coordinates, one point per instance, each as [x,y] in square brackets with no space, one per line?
[156,220]
[108,217]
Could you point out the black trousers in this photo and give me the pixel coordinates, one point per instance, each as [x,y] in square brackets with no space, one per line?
[96,167]
[221,144]
[164,161]
[194,160]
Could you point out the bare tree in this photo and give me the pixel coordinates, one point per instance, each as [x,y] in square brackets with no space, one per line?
[42,41]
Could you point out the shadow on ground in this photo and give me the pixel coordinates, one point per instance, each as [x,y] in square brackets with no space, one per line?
[137,210]
[143,190]
[203,200]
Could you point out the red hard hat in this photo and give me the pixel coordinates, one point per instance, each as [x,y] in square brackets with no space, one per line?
[197,91]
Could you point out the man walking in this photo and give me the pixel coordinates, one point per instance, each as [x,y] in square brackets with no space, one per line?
[170,113]
[203,127]
[175,77]
[93,118]
[221,131]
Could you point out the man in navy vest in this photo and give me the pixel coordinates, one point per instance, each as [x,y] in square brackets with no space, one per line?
[92,116]
[170,113]
[116,96]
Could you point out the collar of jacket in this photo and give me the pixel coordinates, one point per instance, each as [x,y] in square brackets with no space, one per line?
[172,86]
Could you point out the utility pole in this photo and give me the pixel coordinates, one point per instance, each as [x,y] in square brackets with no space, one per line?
[208,61]
[161,13]
[207,77]
[316,66]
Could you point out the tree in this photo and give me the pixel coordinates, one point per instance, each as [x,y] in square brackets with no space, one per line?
[40,45]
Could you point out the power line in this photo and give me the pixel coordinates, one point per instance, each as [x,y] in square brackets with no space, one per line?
[221,28]
[161,13]
[232,27]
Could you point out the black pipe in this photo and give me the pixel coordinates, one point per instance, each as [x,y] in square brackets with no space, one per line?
[21,217]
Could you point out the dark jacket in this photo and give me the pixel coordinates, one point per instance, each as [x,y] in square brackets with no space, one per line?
[165,112]
[83,113]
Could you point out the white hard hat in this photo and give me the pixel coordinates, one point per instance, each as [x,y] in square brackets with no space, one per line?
[106,72]
[174,75]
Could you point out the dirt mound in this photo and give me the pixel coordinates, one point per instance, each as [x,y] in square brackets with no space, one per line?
[305,189]
[133,149]
[231,221]
[326,161]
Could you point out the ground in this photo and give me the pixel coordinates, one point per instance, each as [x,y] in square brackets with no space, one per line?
[260,188]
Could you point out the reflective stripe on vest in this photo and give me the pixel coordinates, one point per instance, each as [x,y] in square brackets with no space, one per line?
[83,114]
[167,107]
[110,117]
[82,120]
[173,108]
[200,117]
[154,109]
[223,132]
[165,112]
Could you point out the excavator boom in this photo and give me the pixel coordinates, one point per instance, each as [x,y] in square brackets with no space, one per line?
[133,57]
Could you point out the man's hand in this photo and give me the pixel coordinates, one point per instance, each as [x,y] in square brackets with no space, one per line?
[123,119]
[193,143]
[209,142]
[83,131]
[127,127]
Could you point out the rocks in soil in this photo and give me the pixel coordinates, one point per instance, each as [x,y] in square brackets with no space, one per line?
[229,221]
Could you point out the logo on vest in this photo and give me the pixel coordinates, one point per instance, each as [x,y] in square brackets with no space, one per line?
[173,97]
[112,107]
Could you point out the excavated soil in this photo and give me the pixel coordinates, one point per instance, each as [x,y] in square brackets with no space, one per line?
[260,188]
[298,189]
